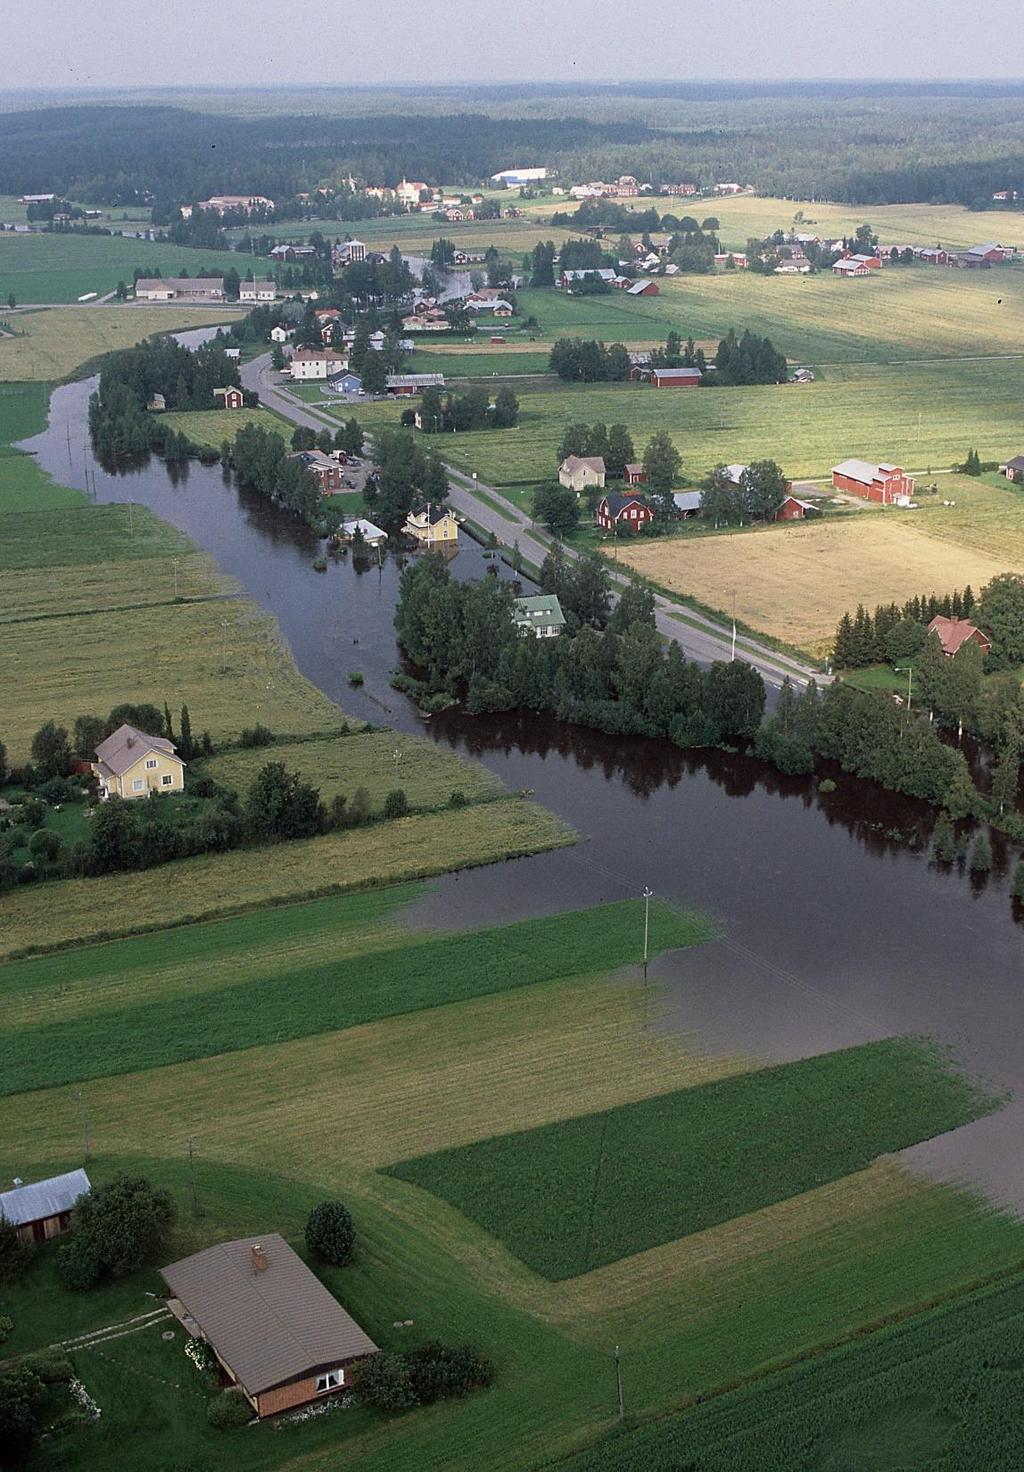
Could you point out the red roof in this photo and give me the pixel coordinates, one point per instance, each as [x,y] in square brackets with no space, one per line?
[955,632]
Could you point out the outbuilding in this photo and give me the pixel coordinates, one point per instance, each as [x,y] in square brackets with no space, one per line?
[883,482]
[233,397]
[634,474]
[1013,469]
[42,1209]
[676,377]
[793,509]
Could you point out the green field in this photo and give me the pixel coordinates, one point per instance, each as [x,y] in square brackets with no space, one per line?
[478,364]
[214,426]
[938,1392]
[53,344]
[64,267]
[588,1191]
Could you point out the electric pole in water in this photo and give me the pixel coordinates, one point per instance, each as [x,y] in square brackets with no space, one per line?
[618,1384]
[648,892]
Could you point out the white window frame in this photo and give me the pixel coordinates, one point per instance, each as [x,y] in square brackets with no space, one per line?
[150,763]
[137,784]
[167,779]
[330,1380]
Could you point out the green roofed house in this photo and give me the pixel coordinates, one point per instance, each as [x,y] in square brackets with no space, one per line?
[540,616]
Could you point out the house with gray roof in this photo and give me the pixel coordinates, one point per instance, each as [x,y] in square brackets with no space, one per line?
[42,1209]
[277,1332]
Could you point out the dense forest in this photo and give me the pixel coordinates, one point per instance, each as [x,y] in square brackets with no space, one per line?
[858,144]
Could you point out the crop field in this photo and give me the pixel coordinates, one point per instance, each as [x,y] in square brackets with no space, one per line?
[934,1392]
[62,267]
[68,910]
[190,1019]
[796,582]
[479,361]
[52,344]
[214,426]
[585,1192]
[426,772]
[916,416]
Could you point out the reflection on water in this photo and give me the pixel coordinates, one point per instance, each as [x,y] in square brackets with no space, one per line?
[835,927]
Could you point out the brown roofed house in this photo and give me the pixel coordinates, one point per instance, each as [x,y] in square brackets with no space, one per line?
[277,1332]
[954,633]
[579,471]
[131,764]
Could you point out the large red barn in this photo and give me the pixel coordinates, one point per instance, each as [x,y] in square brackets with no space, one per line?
[885,483]
[676,377]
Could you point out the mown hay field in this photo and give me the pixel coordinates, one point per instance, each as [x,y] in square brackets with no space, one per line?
[378,761]
[28,593]
[214,426]
[51,344]
[796,582]
[57,912]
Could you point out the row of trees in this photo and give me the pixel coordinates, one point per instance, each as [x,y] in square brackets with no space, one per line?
[581,360]
[472,410]
[613,444]
[405,477]
[761,491]
[894,633]
[261,460]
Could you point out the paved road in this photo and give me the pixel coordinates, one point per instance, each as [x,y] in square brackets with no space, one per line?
[701,638]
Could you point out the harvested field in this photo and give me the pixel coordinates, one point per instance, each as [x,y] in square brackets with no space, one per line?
[214,426]
[796,582]
[87,588]
[58,341]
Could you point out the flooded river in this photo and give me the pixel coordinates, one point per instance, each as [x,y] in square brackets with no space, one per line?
[835,928]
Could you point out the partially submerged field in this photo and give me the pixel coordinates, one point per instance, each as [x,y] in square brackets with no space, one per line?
[796,581]
[51,344]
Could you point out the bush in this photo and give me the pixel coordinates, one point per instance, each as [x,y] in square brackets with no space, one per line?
[52,1366]
[78,1266]
[359,810]
[15,1255]
[356,677]
[228,1410]
[980,861]
[438,1371]
[6,1325]
[20,1395]
[458,799]
[943,841]
[383,1380]
[45,844]
[33,811]
[256,736]
[826,785]
[396,804]
[331,1233]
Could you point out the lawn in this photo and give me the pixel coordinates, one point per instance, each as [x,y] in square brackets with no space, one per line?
[215,426]
[574,1196]
[795,582]
[198,1021]
[56,342]
[484,361]
[378,761]
[72,910]
[64,267]
[919,416]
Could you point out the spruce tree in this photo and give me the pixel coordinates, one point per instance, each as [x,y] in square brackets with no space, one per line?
[980,860]
[944,841]
[843,649]
[185,744]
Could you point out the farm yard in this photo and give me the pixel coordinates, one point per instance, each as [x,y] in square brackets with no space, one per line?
[795,582]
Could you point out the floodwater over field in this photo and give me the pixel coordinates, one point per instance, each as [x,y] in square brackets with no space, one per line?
[835,928]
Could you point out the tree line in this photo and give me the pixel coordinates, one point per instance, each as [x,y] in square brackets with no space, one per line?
[894,632]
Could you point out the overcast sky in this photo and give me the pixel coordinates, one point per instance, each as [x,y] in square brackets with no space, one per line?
[120,43]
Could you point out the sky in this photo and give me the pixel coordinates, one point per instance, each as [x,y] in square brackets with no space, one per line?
[119,43]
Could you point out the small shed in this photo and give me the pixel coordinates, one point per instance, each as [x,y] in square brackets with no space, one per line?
[1013,469]
[42,1209]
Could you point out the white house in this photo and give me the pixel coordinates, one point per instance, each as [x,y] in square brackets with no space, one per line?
[316,363]
[257,291]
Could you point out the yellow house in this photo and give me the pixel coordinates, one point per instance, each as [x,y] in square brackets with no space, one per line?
[131,764]
[434,526]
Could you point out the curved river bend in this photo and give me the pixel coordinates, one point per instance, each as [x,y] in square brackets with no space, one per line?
[836,930]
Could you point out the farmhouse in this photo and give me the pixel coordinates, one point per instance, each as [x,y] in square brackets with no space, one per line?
[246,202]
[326,469]
[885,483]
[290,250]
[346,383]
[280,333]
[954,633]
[276,1331]
[932,255]
[618,512]
[42,1209]
[157,402]
[676,377]
[1013,469]
[850,266]
[130,764]
[257,291]
[314,363]
[371,535]
[579,471]
[402,385]
[643,288]
[233,397]
[433,526]
[793,266]
[183,288]
[540,616]
[634,474]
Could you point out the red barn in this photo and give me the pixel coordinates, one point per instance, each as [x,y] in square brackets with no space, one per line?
[634,474]
[623,513]
[884,483]
[676,377]
[793,509]
[233,397]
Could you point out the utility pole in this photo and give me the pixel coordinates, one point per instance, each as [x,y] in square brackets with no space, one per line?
[175,561]
[270,705]
[83,1116]
[733,655]
[192,1174]
[648,892]
[618,1384]
[131,519]
[223,644]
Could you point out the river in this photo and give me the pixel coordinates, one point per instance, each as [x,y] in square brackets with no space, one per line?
[835,928]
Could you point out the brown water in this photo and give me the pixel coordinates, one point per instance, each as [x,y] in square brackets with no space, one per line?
[835,928]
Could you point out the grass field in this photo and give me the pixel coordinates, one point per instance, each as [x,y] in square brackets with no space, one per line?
[796,583]
[935,1392]
[409,848]
[93,1038]
[62,268]
[585,1192]
[217,425]
[378,761]
[919,416]
[482,362]
[54,343]
[97,586]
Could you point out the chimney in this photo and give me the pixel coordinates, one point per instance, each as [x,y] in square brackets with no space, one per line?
[259,1258]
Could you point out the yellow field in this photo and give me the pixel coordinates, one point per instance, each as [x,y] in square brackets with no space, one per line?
[796,582]
[28,593]
[58,339]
